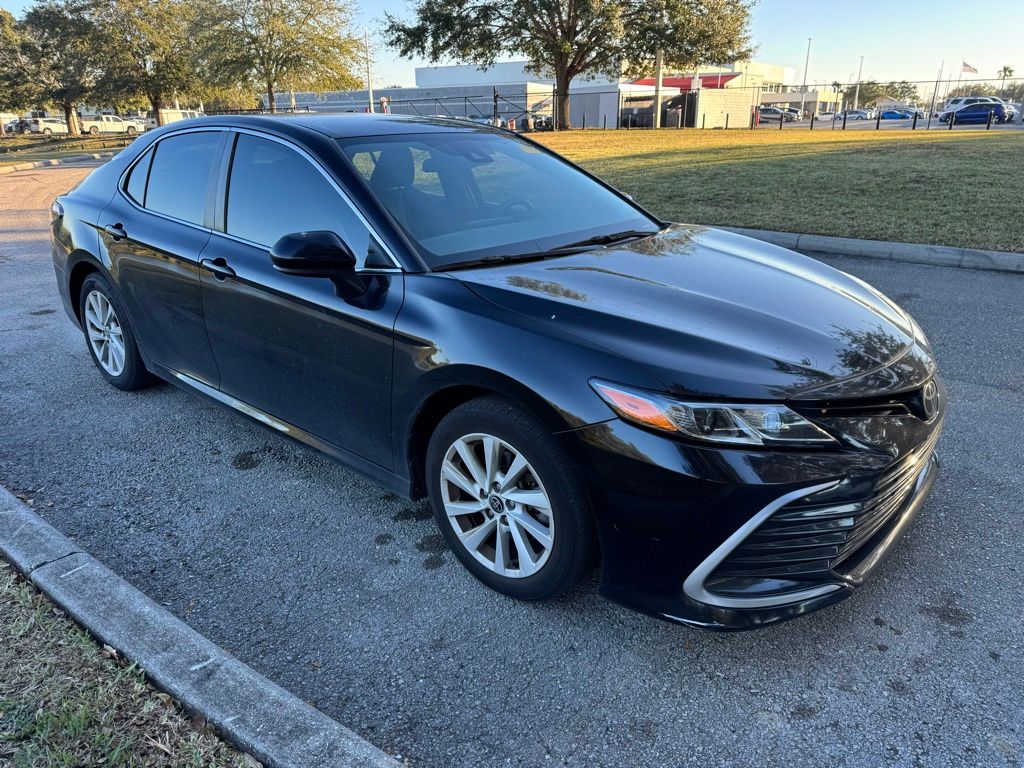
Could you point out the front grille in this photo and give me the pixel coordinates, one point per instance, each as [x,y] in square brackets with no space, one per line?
[804,542]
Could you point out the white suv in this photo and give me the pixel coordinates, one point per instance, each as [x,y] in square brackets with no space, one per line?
[46,125]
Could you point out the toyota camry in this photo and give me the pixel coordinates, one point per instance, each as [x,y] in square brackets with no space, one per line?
[735,433]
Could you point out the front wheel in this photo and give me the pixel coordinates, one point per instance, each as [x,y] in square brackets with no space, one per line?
[47,132]
[509,500]
[130,130]
[94,130]
[109,335]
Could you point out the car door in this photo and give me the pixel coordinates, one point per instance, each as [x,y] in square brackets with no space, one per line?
[154,230]
[295,347]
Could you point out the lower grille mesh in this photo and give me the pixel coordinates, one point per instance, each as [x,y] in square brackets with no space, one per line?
[803,542]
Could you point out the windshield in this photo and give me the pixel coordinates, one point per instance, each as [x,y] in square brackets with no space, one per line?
[461,196]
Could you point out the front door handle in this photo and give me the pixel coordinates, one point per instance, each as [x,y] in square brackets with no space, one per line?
[219,267]
[116,231]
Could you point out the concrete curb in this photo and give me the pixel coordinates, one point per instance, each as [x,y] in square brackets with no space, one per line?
[55,161]
[256,715]
[914,253]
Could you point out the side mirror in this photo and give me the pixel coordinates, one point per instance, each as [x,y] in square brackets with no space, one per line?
[313,254]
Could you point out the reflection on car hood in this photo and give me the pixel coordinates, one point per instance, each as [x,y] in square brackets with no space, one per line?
[715,314]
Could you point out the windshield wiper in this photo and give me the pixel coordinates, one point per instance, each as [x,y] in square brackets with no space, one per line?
[561,250]
[496,259]
[614,237]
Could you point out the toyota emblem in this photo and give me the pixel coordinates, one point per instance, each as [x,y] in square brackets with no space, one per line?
[930,400]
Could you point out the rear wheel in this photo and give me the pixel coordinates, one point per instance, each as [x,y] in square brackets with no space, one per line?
[109,335]
[509,501]
[130,130]
[94,130]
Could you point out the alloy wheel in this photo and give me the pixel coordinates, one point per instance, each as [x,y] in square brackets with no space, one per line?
[106,337]
[497,505]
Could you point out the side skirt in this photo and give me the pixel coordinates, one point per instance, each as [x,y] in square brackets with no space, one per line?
[385,477]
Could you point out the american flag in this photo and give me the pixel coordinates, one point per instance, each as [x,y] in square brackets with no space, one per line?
[968,68]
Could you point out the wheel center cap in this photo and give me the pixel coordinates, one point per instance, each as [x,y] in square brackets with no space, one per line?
[496,504]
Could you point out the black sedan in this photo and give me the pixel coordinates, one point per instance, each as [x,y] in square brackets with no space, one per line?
[738,432]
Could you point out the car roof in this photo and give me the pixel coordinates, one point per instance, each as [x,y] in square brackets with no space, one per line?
[338,126]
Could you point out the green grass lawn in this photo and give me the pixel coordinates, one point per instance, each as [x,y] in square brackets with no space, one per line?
[66,703]
[23,148]
[961,188]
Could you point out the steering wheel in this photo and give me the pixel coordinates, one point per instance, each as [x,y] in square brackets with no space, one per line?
[507,207]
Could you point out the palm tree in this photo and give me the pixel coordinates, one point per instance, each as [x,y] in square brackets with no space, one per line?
[1004,73]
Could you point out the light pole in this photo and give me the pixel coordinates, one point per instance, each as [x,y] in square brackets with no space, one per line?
[369,79]
[856,92]
[803,88]
[659,59]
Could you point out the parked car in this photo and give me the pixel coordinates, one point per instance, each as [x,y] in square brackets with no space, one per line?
[797,115]
[46,125]
[174,115]
[853,114]
[896,114]
[765,114]
[95,124]
[978,113]
[962,101]
[524,346]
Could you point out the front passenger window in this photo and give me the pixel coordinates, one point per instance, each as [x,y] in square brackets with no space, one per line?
[274,191]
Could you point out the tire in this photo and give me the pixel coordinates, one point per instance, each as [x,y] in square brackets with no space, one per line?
[132,373]
[130,130]
[94,130]
[549,479]
[47,132]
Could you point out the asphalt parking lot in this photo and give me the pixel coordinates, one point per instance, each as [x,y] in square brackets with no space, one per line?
[345,595]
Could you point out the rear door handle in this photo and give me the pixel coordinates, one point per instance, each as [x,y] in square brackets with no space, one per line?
[116,231]
[219,267]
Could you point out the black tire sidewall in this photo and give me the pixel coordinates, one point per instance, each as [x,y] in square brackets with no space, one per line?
[574,540]
[134,375]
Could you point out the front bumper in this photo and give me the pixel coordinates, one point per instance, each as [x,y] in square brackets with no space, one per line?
[732,539]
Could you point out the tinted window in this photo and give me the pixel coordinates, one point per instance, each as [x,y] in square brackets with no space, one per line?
[136,186]
[275,191]
[462,195]
[180,174]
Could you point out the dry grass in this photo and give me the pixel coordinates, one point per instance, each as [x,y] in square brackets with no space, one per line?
[65,702]
[957,188]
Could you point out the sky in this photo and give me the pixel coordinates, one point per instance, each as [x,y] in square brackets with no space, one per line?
[899,39]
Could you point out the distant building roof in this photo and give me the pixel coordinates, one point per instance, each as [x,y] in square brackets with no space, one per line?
[686,83]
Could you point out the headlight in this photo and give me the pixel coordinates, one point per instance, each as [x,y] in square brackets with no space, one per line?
[731,423]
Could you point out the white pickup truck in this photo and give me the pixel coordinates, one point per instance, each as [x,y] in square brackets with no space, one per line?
[112,124]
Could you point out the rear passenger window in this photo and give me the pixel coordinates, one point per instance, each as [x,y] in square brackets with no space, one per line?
[136,186]
[180,174]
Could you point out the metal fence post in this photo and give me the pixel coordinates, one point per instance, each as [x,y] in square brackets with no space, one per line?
[704,120]
[686,107]
[812,122]
[584,121]
[782,120]
[727,121]
[913,125]
[988,125]
[844,118]
[952,119]
[604,123]
[878,120]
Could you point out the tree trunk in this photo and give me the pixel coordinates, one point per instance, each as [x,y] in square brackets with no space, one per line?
[156,103]
[562,80]
[71,119]
[270,98]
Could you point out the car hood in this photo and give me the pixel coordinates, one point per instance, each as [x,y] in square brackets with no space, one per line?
[714,314]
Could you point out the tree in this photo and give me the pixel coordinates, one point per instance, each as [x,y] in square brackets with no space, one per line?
[18,90]
[147,49]
[54,48]
[571,38]
[1004,73]
[902,91]
[283,44]
[870,91]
